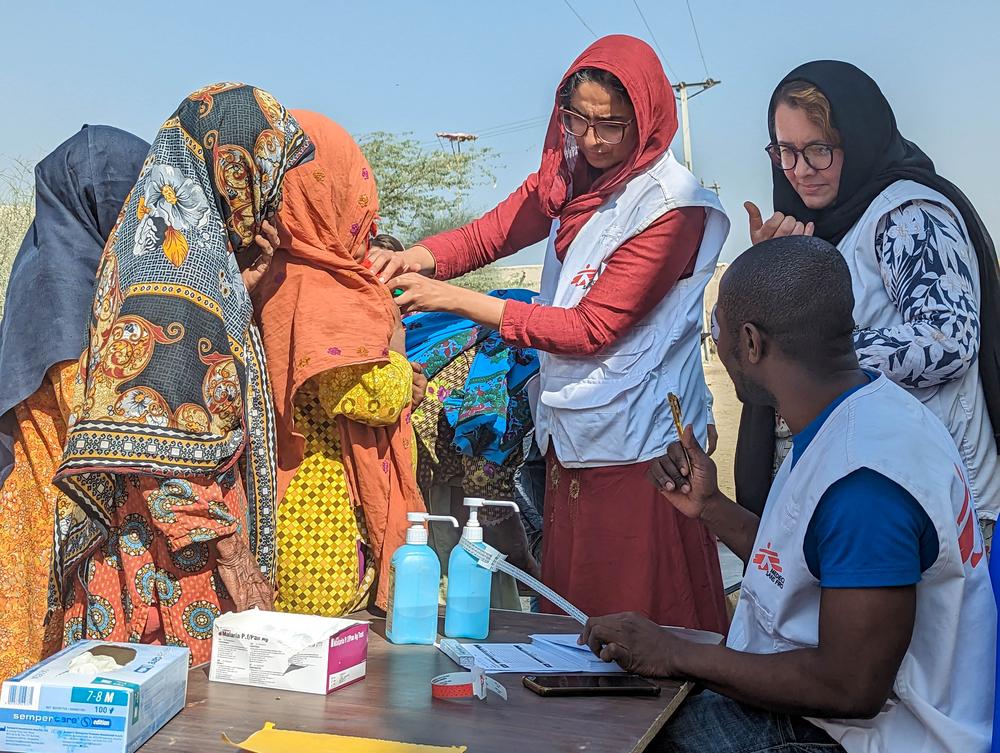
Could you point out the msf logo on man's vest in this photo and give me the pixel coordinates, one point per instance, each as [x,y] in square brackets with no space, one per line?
[970,542]
[767,560]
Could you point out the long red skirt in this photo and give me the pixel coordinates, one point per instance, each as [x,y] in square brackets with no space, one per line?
[612,543]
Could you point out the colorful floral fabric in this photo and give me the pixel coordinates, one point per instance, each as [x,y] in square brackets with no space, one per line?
[173,385]
[925,259]
[488,410]
[29,505]
[439,462]
[325,562]
[154,580]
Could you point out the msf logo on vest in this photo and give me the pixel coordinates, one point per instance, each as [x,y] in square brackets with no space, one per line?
[768,561]
[970,542]
[585,277]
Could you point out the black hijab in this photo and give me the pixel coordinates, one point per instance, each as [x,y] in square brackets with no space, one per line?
[875,156]
[79,191]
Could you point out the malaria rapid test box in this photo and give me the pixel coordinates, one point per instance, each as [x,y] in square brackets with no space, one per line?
[285,651]
[65,704]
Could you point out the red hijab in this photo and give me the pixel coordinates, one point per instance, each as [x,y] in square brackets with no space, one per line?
[635,64]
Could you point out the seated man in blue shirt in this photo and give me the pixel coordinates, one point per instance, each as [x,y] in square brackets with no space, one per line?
[866,620]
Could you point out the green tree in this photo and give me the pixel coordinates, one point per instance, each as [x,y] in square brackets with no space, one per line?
[417,187]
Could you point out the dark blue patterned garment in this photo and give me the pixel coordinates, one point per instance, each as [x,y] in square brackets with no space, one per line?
[925,260]
[79,189]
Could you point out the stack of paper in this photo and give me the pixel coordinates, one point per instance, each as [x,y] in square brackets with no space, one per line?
[567,646]
[538,657]
[546,654]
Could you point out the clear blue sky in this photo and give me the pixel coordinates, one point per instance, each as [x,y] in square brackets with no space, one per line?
[422,67]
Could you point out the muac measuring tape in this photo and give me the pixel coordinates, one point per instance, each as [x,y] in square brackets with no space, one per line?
[493,560]
[475,683]
[472,684]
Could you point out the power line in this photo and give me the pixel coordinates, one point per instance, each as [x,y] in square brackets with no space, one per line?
[580,18]
[511,128]
[653,37]
[697,39]
[503,129]
[495,130]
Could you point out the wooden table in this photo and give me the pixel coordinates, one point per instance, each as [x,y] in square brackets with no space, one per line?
[394,703]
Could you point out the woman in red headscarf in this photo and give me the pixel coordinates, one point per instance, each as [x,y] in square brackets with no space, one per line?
[633,240]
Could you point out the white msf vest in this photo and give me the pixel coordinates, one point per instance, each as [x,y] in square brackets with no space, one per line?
[960,403]
[611,408]
[942,698]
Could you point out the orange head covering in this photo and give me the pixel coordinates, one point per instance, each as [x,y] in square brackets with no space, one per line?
[320,309]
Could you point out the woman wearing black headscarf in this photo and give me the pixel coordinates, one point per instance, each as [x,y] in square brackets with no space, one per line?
[79,190]
[924,268]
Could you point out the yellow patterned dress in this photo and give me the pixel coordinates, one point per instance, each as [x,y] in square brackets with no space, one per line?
[324,564]
[29,506]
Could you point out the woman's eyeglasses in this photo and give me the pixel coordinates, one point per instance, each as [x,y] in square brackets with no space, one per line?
[716,333]
[609,132]
[818,156]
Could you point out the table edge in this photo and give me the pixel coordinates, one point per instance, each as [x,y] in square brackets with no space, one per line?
[664,717]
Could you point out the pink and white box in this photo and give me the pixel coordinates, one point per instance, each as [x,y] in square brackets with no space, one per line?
[299,652]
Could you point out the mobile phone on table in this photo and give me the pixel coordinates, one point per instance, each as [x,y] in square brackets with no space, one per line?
[610,684]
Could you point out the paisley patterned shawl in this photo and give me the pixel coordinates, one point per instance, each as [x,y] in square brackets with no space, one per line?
[172,378]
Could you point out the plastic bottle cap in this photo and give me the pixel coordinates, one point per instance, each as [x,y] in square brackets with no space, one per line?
[417,533]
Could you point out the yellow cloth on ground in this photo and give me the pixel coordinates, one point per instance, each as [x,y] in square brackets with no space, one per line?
[321,537]
[271,740]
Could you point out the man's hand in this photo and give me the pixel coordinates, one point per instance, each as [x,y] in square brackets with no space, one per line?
[266,242]
[419,384]
[638,644]
[689,489]
[777,226]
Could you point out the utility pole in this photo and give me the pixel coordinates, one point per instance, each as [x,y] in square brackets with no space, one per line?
[456,140]
[682,89]
[707,346]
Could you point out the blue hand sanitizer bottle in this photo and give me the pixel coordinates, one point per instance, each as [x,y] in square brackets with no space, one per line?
[467,605]
[414,583]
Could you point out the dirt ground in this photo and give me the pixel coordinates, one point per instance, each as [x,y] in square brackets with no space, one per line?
[727,420]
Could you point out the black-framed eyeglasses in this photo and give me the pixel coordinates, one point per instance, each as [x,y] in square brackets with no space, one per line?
[609,132]
[818,155]
[714,326]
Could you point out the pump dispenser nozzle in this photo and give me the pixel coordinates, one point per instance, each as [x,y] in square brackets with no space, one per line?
[417,532]
[473,531]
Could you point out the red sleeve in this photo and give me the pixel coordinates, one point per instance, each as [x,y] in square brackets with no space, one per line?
[640,273]
[515,223]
